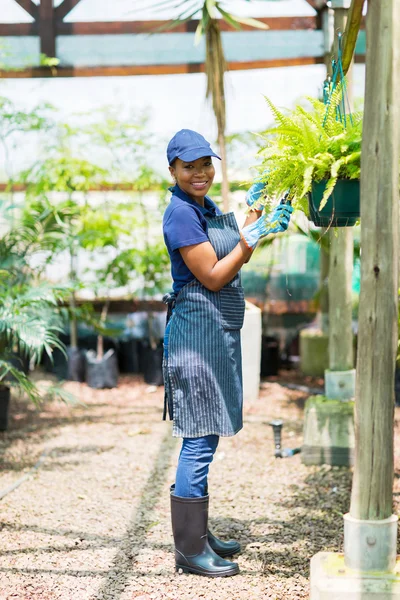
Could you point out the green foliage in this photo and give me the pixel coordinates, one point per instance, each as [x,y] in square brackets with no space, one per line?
[124,143]
[30,321]
[13,120]
[303,147]
[209,10]
[62,173]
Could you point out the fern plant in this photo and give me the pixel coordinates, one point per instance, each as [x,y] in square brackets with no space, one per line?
[310,145]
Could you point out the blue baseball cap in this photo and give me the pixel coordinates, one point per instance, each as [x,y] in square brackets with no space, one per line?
[188,145]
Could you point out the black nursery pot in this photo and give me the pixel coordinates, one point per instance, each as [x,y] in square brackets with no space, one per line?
[152,363]
[342,208]
[101,373]
[4,406]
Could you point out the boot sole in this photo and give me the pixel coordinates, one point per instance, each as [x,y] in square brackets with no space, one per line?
[186,569]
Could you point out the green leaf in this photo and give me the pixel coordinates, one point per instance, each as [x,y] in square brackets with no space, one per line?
[251,22]
[229,18]
[210,7]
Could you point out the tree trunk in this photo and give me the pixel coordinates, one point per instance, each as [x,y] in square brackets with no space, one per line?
[73,326]
[377,338]
[100,339]
[215,66]
[224,168]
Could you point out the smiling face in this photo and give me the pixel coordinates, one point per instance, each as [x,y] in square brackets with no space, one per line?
[194,178]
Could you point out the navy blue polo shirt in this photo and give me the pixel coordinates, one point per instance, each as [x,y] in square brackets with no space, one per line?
[184,224]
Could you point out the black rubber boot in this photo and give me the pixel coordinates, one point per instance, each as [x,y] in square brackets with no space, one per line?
[193,553]
[221,548]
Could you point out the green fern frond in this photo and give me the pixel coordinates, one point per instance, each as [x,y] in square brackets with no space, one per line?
[328,191]
[306,145]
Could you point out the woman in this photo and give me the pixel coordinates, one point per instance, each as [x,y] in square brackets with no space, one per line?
[202,355]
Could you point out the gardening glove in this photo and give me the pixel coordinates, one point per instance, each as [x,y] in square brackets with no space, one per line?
[254,194]
[276,222]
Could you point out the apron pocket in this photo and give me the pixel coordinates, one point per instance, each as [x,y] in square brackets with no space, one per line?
[232,307]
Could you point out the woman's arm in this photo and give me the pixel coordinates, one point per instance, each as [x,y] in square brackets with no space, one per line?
[202,261]
[251,218]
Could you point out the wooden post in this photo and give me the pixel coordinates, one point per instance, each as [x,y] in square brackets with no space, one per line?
[341,260]
[324,296]
[341,354]
[47,28]
[377,337]
[353,25]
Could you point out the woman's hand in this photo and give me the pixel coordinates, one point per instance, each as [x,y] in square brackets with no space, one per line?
[276,222]
[253,196]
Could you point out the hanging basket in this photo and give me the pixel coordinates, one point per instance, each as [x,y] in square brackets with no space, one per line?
[342,208]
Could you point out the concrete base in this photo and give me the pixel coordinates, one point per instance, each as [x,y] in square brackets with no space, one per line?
[340,385]
[314,355]
[328,437]
[332,580]
[251,351]
[370,545]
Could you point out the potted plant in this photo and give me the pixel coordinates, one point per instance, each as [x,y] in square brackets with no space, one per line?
[104,230]
[30,320]
[315,158]
[66,174]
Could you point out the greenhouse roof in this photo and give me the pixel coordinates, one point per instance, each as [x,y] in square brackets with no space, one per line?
[97,37]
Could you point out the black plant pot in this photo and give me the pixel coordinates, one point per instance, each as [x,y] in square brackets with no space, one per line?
[128,356]
[101,373]
[270,357]
[4,406]
[76,364]
[152,363]
[342,208]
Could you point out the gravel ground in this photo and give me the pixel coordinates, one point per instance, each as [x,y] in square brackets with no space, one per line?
[91,522]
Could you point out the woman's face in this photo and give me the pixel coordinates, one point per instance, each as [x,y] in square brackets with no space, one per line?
[194,178]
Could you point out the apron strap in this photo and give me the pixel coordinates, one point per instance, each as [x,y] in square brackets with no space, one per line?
[170,301]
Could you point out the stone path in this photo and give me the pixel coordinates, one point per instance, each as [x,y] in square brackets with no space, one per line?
[92,521]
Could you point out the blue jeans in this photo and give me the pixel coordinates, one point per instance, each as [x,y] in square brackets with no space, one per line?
[194,460]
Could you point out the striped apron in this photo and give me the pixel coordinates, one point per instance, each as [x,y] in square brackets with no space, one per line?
[202,362]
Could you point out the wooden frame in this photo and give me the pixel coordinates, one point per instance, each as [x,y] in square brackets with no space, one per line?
[49,23]
[180,69]
[121,27]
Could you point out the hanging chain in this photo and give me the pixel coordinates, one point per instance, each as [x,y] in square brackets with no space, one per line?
[330,84]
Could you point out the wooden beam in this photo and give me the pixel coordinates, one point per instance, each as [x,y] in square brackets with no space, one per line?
[65,8]
[19,29]
[119,27]
[46,28]
[353,25]
[30,7]
[177,69]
